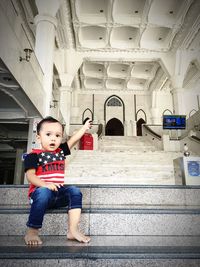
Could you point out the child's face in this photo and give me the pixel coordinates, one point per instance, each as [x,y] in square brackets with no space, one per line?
[50,135]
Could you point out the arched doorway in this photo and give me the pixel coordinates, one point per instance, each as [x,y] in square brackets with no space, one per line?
[139,126]
[114,127]
[87,113]
[140,121]
[114,107]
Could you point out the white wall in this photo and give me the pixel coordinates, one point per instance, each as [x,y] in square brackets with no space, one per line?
[85,101]
[190,102]
[163,101]
[13,41]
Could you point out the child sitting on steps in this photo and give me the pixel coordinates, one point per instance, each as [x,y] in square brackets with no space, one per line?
[45,170]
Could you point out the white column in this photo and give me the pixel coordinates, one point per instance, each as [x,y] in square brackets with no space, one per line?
[134,128]
[129,128]
[156,117]
[178,102]
[45,40]
[178,91]
[18,174]
[65,105]
[75,108]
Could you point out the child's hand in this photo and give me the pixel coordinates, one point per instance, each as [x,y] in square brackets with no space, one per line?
[88,124]
[53,187]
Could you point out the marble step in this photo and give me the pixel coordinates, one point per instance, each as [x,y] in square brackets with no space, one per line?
[112,173]
[121,180]
[127,155]
[110,220]
[115,194]
[133,160]
[124,139]
[102,251]
[113,145]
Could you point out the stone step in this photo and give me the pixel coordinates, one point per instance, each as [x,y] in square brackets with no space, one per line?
[125,169]
[115,194]
[120,180]
[162,153]
[118,176]
[87,159]
[110,220]
[126,148]
[102,251]
[96,154]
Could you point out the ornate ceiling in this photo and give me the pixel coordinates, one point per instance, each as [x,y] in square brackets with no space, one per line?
[133,28]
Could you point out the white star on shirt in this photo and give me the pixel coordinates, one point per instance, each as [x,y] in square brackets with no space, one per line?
[48,156]
[42,154]
[45,162]
[54,159]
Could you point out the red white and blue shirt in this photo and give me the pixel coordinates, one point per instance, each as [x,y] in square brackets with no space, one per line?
[49,165]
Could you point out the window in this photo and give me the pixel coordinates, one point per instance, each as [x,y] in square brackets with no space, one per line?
[114,102]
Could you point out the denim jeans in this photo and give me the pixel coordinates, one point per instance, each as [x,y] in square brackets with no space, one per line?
[43,198]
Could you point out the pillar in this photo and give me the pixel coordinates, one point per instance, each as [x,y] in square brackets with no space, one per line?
[129,128]
[46,24]
[65,105]
[155,112]
[75,108]
[178,101]
[18,174]
[134,127]
[155,116]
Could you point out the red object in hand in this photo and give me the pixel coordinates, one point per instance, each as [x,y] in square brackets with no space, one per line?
[86,142]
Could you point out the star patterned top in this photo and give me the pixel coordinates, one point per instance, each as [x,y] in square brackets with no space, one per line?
[49,165]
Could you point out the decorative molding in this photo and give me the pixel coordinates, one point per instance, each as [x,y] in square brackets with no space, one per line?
[192,13]
[64,34]
[191,34]
[26,20]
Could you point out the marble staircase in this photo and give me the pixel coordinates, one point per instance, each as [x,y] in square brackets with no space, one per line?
[132,210]
[127,160]
[125,143]
[129,225]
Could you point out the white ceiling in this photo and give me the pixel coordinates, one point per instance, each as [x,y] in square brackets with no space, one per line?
[126,26]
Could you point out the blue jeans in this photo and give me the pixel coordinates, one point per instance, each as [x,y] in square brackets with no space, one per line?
[43,198]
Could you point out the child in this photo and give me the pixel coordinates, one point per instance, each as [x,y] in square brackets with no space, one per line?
[45,172]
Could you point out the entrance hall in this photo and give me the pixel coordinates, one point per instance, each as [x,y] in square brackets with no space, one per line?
[133,68]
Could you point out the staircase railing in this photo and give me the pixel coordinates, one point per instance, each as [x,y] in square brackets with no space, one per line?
[100,130]
[152,132]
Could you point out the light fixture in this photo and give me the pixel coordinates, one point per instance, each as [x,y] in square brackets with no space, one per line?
[28,52]
[54,105]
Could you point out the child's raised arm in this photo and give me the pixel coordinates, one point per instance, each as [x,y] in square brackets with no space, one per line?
[77,136]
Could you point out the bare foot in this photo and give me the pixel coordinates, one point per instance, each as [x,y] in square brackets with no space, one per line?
[76,235]
[32,238]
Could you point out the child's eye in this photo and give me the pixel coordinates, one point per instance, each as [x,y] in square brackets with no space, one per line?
[48,134]
[57,135]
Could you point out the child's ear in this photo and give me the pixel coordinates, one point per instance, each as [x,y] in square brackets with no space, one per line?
[38,139]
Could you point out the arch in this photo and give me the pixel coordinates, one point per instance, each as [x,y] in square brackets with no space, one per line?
[114,127]
[105,104]
[139,126]
[167,110]
[141,110]
[83,115]
[113,102]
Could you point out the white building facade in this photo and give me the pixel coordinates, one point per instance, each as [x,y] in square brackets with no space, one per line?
[118,62]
